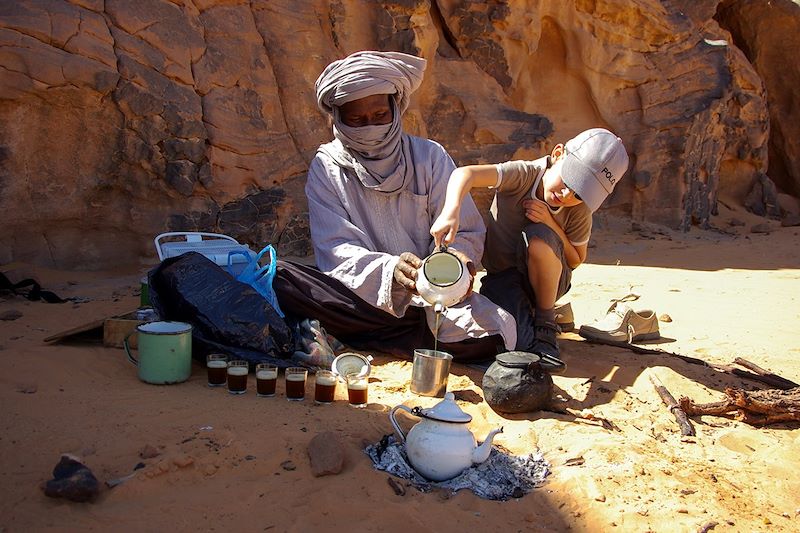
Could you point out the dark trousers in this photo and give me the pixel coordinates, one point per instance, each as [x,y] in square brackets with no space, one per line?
[510,290]
[305,292]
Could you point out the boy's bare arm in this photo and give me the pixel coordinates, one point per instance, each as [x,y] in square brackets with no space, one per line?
[462,180]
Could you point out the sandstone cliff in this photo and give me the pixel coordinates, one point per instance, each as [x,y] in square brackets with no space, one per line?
[120,120]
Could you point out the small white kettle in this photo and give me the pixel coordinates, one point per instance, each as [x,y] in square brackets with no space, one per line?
[441,446]
[443,279]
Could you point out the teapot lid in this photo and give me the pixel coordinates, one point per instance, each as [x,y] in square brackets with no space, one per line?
[447,411]
[516,359]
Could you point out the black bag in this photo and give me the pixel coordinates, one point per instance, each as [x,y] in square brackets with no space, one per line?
[517,383]
[227,316]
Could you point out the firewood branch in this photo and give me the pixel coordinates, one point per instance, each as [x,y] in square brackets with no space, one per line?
[687,429]
[757,408]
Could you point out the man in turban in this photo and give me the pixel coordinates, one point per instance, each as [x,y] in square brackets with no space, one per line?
[373,193]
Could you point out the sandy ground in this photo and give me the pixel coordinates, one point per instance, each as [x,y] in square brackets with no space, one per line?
[222,458]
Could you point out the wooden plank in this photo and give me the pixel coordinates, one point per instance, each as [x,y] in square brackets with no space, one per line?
[84,328]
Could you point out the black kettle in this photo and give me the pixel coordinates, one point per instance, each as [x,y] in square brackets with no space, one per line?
[520,382]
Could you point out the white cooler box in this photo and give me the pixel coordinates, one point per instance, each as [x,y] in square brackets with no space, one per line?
[214,246]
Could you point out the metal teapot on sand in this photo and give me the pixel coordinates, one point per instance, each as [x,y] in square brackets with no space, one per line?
[441,446]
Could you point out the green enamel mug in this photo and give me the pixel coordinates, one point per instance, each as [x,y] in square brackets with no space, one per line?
[165,352]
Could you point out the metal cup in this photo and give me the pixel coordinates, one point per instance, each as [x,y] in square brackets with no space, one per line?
[429,372]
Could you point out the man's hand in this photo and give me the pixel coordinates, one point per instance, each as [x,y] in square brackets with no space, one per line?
[537,211]
[470,268]
[405,272]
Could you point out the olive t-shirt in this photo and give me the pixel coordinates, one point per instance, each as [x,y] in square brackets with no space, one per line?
[517,181]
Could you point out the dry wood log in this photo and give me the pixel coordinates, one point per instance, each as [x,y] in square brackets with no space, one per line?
[687,429]
[779,382]
[757,408]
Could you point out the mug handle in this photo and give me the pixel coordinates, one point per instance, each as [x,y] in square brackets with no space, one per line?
[395,425]
[131,358]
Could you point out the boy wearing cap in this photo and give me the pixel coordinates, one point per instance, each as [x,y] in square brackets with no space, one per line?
[539,226]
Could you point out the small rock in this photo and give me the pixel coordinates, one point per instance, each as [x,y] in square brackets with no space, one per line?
[288,465]
[790,220]
[664,317]
[735,222]
[683,511]
[396,487]
[148,452]
[183,461]
[11,314]
[326,454]
[72,480]
[574,461]
[27,388]
[761,228]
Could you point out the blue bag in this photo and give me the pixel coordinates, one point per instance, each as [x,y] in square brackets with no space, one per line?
[257,276]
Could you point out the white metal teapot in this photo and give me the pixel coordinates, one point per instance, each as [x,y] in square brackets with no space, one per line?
[443,279]
[441,446]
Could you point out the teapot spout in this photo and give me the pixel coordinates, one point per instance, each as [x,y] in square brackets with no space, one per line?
[438,308]
[481,453]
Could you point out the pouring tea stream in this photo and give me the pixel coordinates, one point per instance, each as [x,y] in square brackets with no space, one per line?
[442,280]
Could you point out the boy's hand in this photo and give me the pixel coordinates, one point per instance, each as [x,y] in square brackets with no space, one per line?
[405,272]
[444,229]
[537,211]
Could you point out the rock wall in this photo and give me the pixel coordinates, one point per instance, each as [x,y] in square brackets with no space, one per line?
[769,35]
[120,120]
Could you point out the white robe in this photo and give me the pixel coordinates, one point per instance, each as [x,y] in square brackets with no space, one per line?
[358,235]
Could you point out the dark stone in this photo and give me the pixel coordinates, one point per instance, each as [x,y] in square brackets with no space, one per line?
[763,198]
[204,175]
[139,102]
[295,239]
[642,179]
[193,150]
[181,176]
[195,220]
[72,480]
[148,452]
[10,314]
[790,220]
[253,219]
[761,228]
[105,81]
[326,454]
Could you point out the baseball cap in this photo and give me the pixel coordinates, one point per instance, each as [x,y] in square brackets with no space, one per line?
[594,163]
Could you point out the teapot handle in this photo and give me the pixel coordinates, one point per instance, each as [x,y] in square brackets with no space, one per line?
[395,425]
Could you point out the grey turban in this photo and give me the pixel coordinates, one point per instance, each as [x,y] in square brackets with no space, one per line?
[367,73]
